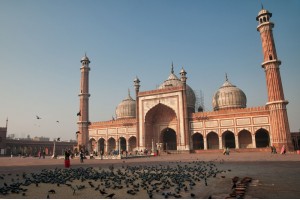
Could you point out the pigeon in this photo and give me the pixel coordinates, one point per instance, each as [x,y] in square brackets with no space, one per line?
[102,192]
[110,195]
[37,117]
[79,113]
[51,191]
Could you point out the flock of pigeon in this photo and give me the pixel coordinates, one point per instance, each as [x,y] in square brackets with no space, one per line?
[175,180]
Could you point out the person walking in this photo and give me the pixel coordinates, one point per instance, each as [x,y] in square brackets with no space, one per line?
[67,159]
[283,150]
[81,156]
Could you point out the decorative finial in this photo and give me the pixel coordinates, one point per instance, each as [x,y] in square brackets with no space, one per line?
[172,68]
[128,92]
[226,78]
[262,6]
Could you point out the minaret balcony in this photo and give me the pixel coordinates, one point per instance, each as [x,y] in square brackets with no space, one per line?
[270,61]
[84,94]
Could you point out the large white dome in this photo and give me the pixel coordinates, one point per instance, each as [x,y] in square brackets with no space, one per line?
[229,96]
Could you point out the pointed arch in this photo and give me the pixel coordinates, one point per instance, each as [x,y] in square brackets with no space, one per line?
[198,142]
[92,145]
[123,144]
[101,145]
[168,139]
[228,139]
[156,118]
[111,144]
[245,139]
[262,138]
[212,139]
[131,143]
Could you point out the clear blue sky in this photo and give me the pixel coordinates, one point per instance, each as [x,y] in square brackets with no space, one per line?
[42,42]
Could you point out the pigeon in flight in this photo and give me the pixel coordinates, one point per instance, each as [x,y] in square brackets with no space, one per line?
[37,117]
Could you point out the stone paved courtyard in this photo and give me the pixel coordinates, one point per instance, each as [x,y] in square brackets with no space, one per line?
[274,176]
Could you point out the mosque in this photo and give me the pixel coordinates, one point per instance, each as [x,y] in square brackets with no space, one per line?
[166,118]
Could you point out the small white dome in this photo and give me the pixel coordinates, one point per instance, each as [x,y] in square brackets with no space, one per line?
[84,58]
[126,109]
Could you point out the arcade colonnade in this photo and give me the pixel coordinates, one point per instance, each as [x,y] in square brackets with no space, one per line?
[112,144]
[241,140]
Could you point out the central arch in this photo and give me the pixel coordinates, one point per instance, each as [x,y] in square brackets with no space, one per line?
[156,120]
[168,139]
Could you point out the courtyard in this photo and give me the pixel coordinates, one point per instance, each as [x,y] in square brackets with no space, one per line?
[273,175]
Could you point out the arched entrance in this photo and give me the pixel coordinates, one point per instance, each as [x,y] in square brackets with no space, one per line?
[157,117]
[132,143]
[212,140]
[168,138]
[101,145]
[262,138]
[111,145]
[122,143]
[245,139]
[197,141]
[228,139]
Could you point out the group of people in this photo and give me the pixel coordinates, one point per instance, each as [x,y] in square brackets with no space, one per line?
[274,151]
[69,154]
[42,154]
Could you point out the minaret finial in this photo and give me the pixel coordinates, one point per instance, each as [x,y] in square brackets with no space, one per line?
[226,78]
[6,121]
[262,6]
[128,92]
[172,68]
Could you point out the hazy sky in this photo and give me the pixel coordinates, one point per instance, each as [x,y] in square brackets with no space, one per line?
[42,42]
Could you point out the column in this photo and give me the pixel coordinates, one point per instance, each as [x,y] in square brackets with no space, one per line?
[205,143]
[220,142]
[236,138]
[253,141]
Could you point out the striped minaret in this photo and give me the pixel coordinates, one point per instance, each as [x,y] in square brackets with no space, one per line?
[280,130]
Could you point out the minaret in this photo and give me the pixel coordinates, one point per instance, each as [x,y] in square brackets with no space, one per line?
[280,130]
[183,79]
[83,121]
[137,89]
